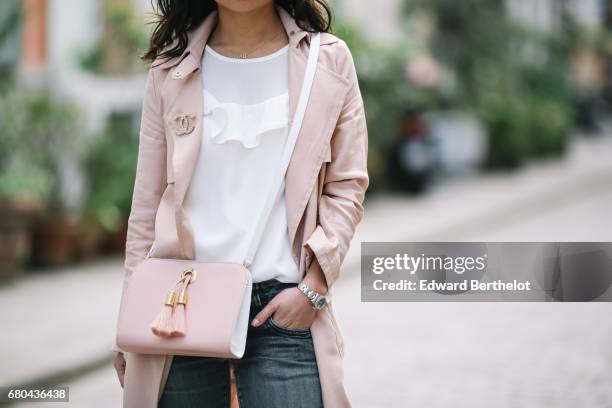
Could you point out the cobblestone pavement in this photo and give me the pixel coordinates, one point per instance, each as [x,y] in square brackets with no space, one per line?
[416,354]
[487,354]
[99,389]
[477,354]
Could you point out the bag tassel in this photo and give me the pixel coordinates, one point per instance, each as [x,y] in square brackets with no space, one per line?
[162,325]
[179,320]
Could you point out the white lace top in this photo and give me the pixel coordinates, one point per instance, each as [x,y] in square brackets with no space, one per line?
[246,108]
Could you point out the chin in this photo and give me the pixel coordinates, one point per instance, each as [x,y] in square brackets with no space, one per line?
[243,6]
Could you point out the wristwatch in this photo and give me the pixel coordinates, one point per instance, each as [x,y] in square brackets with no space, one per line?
[318,300]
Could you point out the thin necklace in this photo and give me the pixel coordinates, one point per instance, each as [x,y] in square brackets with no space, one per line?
[244,55]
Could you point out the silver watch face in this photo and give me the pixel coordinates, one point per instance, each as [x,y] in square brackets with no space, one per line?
[320,303]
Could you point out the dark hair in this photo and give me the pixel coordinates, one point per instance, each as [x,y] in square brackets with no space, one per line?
[177,17]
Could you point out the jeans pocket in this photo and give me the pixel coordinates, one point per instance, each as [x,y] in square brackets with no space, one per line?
[287,331]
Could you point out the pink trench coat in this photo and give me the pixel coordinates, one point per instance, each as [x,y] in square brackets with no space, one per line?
[325,185]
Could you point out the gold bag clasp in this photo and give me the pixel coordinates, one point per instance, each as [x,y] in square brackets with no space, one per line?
[190,271]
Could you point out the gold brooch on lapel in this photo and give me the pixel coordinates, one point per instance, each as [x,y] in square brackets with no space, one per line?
[184,124]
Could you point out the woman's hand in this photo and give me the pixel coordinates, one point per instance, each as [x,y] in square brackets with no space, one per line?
[291,309]
[119,364]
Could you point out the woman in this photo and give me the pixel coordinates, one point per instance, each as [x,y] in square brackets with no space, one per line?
[219,99]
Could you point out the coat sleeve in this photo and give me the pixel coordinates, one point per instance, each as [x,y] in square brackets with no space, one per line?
[149,182]
[346,179]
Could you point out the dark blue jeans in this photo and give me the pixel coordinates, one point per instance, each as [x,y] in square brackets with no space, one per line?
[278,368]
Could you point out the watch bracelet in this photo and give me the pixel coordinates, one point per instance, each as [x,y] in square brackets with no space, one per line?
[311,294]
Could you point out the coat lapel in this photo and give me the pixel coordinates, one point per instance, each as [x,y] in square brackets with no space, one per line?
[183,99]
[323,109]
[322,112]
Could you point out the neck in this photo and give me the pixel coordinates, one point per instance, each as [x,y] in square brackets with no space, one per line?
[246,29]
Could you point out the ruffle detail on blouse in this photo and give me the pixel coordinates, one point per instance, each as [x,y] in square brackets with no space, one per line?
[245,123]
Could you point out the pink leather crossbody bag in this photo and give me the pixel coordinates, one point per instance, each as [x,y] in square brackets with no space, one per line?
[185,307]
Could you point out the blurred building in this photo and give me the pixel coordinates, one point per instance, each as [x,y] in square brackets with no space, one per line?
[382,20]
[54,31]
[53,36]
[548,14]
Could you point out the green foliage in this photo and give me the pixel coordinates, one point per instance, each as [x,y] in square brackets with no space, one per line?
[382,81]
[123,38]
[110,169]
[36,135]
[468,33]
[386,94]
[10,19]
[121,18]
[550,102]
[91,58]
[512,76]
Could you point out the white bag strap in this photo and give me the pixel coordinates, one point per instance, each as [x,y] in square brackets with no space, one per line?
[279,177]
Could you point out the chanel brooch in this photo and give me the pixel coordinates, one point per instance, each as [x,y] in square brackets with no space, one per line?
[184,124]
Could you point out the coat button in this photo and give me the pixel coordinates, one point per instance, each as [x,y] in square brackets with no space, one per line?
[177,74]
[292,32]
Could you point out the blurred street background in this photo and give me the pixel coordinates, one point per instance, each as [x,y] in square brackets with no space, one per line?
[489,120]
